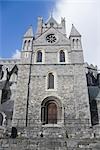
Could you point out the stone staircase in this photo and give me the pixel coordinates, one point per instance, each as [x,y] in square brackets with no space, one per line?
[51,138]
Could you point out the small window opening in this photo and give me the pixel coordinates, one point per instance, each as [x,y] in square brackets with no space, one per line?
[73,43]
[29,43]
[24,44]
[51,24]
[50,81]
[39,56]
[77,43]
[62,56]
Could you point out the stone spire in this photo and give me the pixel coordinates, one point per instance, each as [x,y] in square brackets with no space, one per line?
[74,32]
[27,40]
[29,33]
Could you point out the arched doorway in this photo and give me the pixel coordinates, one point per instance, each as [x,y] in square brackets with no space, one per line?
[52,113]
[51,110]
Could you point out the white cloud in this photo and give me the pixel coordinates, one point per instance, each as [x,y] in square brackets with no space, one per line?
[16,55]
[84,14]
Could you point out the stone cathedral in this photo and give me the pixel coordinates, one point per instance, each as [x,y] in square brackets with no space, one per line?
[49,98]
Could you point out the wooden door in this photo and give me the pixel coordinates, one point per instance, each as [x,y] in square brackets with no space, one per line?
[52,113]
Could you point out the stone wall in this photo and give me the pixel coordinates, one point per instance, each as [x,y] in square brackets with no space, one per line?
[70,89]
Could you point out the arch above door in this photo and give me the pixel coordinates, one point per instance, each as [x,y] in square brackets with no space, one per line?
[51,110]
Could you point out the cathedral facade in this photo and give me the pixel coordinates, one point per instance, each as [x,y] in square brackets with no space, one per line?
[50,96]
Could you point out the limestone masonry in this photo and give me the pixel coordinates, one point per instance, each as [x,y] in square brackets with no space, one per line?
[50,98]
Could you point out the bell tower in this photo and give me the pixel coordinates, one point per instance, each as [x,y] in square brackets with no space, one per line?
[51,87]
[76,46]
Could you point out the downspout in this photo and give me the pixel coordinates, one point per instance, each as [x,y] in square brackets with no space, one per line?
[28,92]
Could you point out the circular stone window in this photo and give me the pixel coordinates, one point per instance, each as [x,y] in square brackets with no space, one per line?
[51,38]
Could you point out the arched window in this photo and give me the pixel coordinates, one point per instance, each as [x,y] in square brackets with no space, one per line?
[29,42]
[50,81]
[77,43]
[62,56]
[39,56]
[1,119]
[24,44]
[73,44]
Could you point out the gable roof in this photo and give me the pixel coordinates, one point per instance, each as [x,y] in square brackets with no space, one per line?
[49,31]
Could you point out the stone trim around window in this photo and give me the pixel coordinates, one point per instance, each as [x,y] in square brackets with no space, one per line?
[55,81]
[43,56]
[66,57]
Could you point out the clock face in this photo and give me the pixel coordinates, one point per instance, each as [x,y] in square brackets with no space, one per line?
[51,38]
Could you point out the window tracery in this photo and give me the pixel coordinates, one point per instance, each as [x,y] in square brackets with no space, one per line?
[51,38]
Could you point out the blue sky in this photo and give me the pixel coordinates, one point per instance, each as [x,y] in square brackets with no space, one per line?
[15,17]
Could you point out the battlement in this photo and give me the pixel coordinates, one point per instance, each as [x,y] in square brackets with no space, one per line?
[91,67]
[9,61]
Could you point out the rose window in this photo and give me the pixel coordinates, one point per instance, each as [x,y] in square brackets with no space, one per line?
[51,38]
